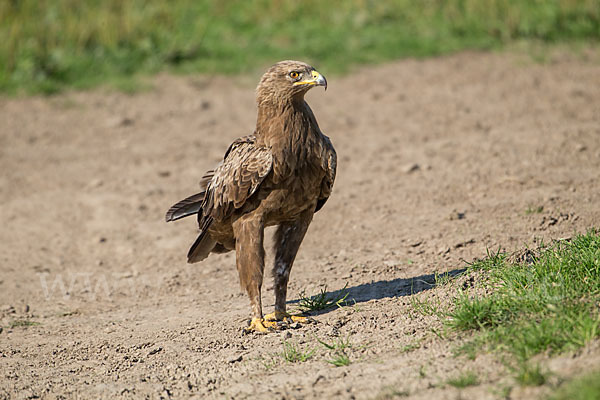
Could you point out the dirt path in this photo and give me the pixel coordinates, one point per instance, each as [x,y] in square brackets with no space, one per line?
[438,161]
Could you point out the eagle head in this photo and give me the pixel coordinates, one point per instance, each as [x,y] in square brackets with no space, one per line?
[287,80]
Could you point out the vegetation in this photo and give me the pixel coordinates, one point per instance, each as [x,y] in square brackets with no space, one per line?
[49,45]
[582,388]
[21,323]
[338,349]
[464,380]
[294,353]
[528,374]
[549,304]
[322,300]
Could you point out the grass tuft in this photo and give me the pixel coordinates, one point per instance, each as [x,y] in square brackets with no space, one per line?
[529,374]
[464,380]
[339,359]
[338,349]
[534,210]
[293,353]
[322,300]
[22,323]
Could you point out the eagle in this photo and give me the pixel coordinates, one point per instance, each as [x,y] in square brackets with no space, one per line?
[279,176]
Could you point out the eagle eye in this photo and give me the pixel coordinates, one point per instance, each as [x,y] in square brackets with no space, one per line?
[293,74]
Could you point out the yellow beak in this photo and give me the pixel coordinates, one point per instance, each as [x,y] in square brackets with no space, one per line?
[317,80]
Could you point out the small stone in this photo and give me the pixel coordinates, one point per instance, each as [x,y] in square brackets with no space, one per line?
[409,168]
[464,243]
[164,174]
[102,240]
[26,308]
[287,335]
[455,215]
[235,359]
[155,350]
[297,325]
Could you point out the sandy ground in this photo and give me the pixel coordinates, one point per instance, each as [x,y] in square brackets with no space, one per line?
[438,160]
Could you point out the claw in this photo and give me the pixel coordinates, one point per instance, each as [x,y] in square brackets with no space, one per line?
[299,318]
[275,321]
[259,325]
[283,316]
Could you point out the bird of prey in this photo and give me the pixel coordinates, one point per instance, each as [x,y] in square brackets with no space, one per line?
[280,175]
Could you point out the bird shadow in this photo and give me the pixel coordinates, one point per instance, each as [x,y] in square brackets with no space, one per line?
[398,287]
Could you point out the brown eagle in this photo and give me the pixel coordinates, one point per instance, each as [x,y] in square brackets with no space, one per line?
[280,175]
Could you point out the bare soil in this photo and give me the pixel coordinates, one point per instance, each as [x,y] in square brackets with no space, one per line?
[439,160]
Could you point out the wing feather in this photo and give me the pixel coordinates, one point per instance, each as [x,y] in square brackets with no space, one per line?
[190,205]
[330,167]
[237,178]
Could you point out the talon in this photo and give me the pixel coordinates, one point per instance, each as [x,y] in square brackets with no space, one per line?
[259,325]
[270,324]
[299,318]
[289,318]
[276,316]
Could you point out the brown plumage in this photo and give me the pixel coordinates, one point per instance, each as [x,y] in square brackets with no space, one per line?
[281,175]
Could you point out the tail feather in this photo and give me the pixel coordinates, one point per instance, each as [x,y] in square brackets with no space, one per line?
[203,245]
[188,206]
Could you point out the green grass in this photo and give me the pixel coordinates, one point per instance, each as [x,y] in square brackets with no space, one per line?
[322,300]
[294,353]
[464,380]
[548,305]
[338,349]
[528,374]
[21,323]
[586,387]
[49,45]
[534,210]
[410,347]
[340,359]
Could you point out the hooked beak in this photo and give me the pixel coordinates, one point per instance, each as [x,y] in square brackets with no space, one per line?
[316,80]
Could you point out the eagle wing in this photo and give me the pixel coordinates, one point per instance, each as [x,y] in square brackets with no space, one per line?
[330,165]
[237,178]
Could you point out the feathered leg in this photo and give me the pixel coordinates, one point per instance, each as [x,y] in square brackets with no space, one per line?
[288,238]
[250,261]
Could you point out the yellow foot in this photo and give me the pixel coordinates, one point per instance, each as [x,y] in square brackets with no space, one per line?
[260,325]
[289,318]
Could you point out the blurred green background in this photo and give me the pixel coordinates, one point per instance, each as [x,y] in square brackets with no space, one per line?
[48,45]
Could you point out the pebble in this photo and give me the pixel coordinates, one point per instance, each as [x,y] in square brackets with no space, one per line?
[409,168]
[235,359]
[155,350]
